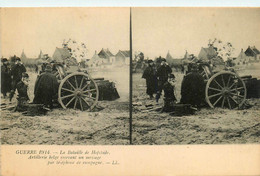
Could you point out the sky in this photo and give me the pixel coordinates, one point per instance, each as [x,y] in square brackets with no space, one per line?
[35,29]
[155,30]
[159,30]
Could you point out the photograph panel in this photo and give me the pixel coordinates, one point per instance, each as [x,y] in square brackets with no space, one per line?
[65,76]
[196,75]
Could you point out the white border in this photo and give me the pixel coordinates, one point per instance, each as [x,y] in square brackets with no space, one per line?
[133,3]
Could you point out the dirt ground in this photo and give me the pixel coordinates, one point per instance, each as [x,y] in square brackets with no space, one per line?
[207,126]
[109,126]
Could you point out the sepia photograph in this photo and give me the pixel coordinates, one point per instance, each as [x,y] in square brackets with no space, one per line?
[196,76]
[65,76]
[130,90]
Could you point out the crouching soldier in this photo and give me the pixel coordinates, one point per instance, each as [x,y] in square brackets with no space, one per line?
[22,87]
[169,96]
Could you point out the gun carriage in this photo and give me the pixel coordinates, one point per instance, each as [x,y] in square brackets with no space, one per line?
[78,90]
[223,87]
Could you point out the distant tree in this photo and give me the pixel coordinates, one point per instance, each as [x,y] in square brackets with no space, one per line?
[78,50]
[224,50]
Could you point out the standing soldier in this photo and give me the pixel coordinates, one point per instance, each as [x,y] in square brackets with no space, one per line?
[5,77]
[162,73]
[192,88]
[46,88]
[16,73]
[151,80]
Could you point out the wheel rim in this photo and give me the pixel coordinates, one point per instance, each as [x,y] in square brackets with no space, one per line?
[226,90]
[78,91]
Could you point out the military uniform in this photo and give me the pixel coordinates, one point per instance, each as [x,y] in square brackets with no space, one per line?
[22,96]
[46,88]
[151,80]
[16,72]
[162,73]
[193,89]
[5,79]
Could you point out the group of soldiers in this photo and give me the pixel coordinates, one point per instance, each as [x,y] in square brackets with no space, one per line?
[161,79]
[14,77]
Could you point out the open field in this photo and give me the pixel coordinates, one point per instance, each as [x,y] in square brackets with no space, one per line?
[207,126]
[109,126]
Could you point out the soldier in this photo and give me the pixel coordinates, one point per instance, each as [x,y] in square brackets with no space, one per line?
[169,96]
[22,88]
[5,77]
[162,73]
[16,73]
[192,88]
[46,88]
[151,80]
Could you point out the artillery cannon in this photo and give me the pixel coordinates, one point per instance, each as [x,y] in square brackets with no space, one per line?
[78,90]
[223,87]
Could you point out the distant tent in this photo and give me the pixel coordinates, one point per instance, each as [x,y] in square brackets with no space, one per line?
[186,55]
[23,56]
[168,56]
[41,55]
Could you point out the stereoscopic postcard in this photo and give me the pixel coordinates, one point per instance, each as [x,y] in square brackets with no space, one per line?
[130,91]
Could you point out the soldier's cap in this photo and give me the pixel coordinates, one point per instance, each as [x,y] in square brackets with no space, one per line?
[171,76]
[48,68]
[18,59]
[163,60]
[4,60]
[25,75]
[150,61]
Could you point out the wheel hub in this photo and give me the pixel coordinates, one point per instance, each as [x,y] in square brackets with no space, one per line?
[226,91]
[78,92]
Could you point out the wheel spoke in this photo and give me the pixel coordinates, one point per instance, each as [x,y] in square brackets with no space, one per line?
[228,80]
[218,84]
[67,90]
[76,82]
[234,100]
[214,89]
[81,82]
[80,102]
[215,95]
[75,103]
[232,85]
[223,102]
[217,101]
[71,84]
[67,96]
[70,102]
[90,90]
[228,103]
[223,81]
[86,102]
[85,86]
[237,88]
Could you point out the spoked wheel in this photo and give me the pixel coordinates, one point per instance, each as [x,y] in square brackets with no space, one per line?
[78,91]
[225,89]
